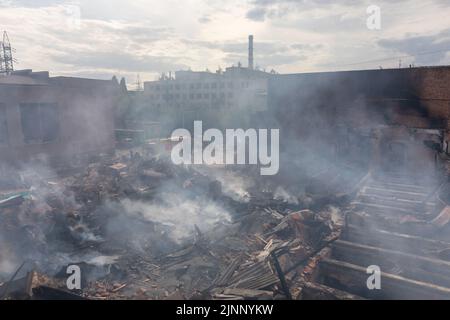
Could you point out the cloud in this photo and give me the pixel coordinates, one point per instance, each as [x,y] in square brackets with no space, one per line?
[204,19]
[153,36]
[307,46]
[119,61]
[261,47]
[429,49]
[31,3]
[257,14]
[273,9]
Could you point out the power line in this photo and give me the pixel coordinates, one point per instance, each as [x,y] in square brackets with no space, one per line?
[395,58]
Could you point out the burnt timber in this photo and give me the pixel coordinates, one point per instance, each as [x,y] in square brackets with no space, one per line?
[397,226]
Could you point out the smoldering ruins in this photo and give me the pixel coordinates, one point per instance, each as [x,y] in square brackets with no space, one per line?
[363,181]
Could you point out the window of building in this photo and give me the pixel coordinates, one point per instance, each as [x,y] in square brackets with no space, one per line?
[40,122]
[222,85]
[206,86]
[230,85]
[177,87]
[3,126]
[214,85]
[230,94]
[191,96]
[245,84]
[206,96]
[199,85]
[199,95]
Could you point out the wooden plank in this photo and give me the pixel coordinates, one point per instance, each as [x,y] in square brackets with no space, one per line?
[398,194]
[398,187]
[354,251]
[395,241]
[315,291]
[353,279]
[382,209]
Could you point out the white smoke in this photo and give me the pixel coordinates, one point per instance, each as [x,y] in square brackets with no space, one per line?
[7,260]
[282,194]
[234,185]
[180,214]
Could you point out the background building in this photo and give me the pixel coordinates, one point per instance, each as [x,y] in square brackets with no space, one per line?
[54,117]
[216,98]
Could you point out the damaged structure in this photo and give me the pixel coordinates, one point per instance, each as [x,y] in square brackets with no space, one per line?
[221,98]
[56,118]
[393,124]
[363,182]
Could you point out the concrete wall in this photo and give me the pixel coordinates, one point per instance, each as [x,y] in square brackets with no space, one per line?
[85,117]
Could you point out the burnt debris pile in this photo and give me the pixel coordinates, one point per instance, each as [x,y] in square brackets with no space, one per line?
[139,227]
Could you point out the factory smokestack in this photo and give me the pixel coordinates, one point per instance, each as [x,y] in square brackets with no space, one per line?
[250,52]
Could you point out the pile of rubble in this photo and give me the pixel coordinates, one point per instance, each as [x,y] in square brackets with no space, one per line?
[142,228]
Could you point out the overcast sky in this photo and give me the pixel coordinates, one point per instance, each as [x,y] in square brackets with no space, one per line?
[101,38]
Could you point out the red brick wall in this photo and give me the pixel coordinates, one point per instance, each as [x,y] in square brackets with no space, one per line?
[433,87]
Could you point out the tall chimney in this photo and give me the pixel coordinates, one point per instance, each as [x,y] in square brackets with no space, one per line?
[250,52]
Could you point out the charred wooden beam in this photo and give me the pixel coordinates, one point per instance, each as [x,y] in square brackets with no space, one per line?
[397,187]
[353,279]
[397,224]
[399,204]
[280,273]
[392,193]
[354,251]
[408,265]
[384,209]
[49,293]
[314,291]
[396,241]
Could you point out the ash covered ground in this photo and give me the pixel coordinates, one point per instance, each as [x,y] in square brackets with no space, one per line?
[140,227]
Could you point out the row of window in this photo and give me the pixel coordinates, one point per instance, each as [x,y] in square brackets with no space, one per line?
[198,85]
[219,105]
[192,96]
[40,123]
